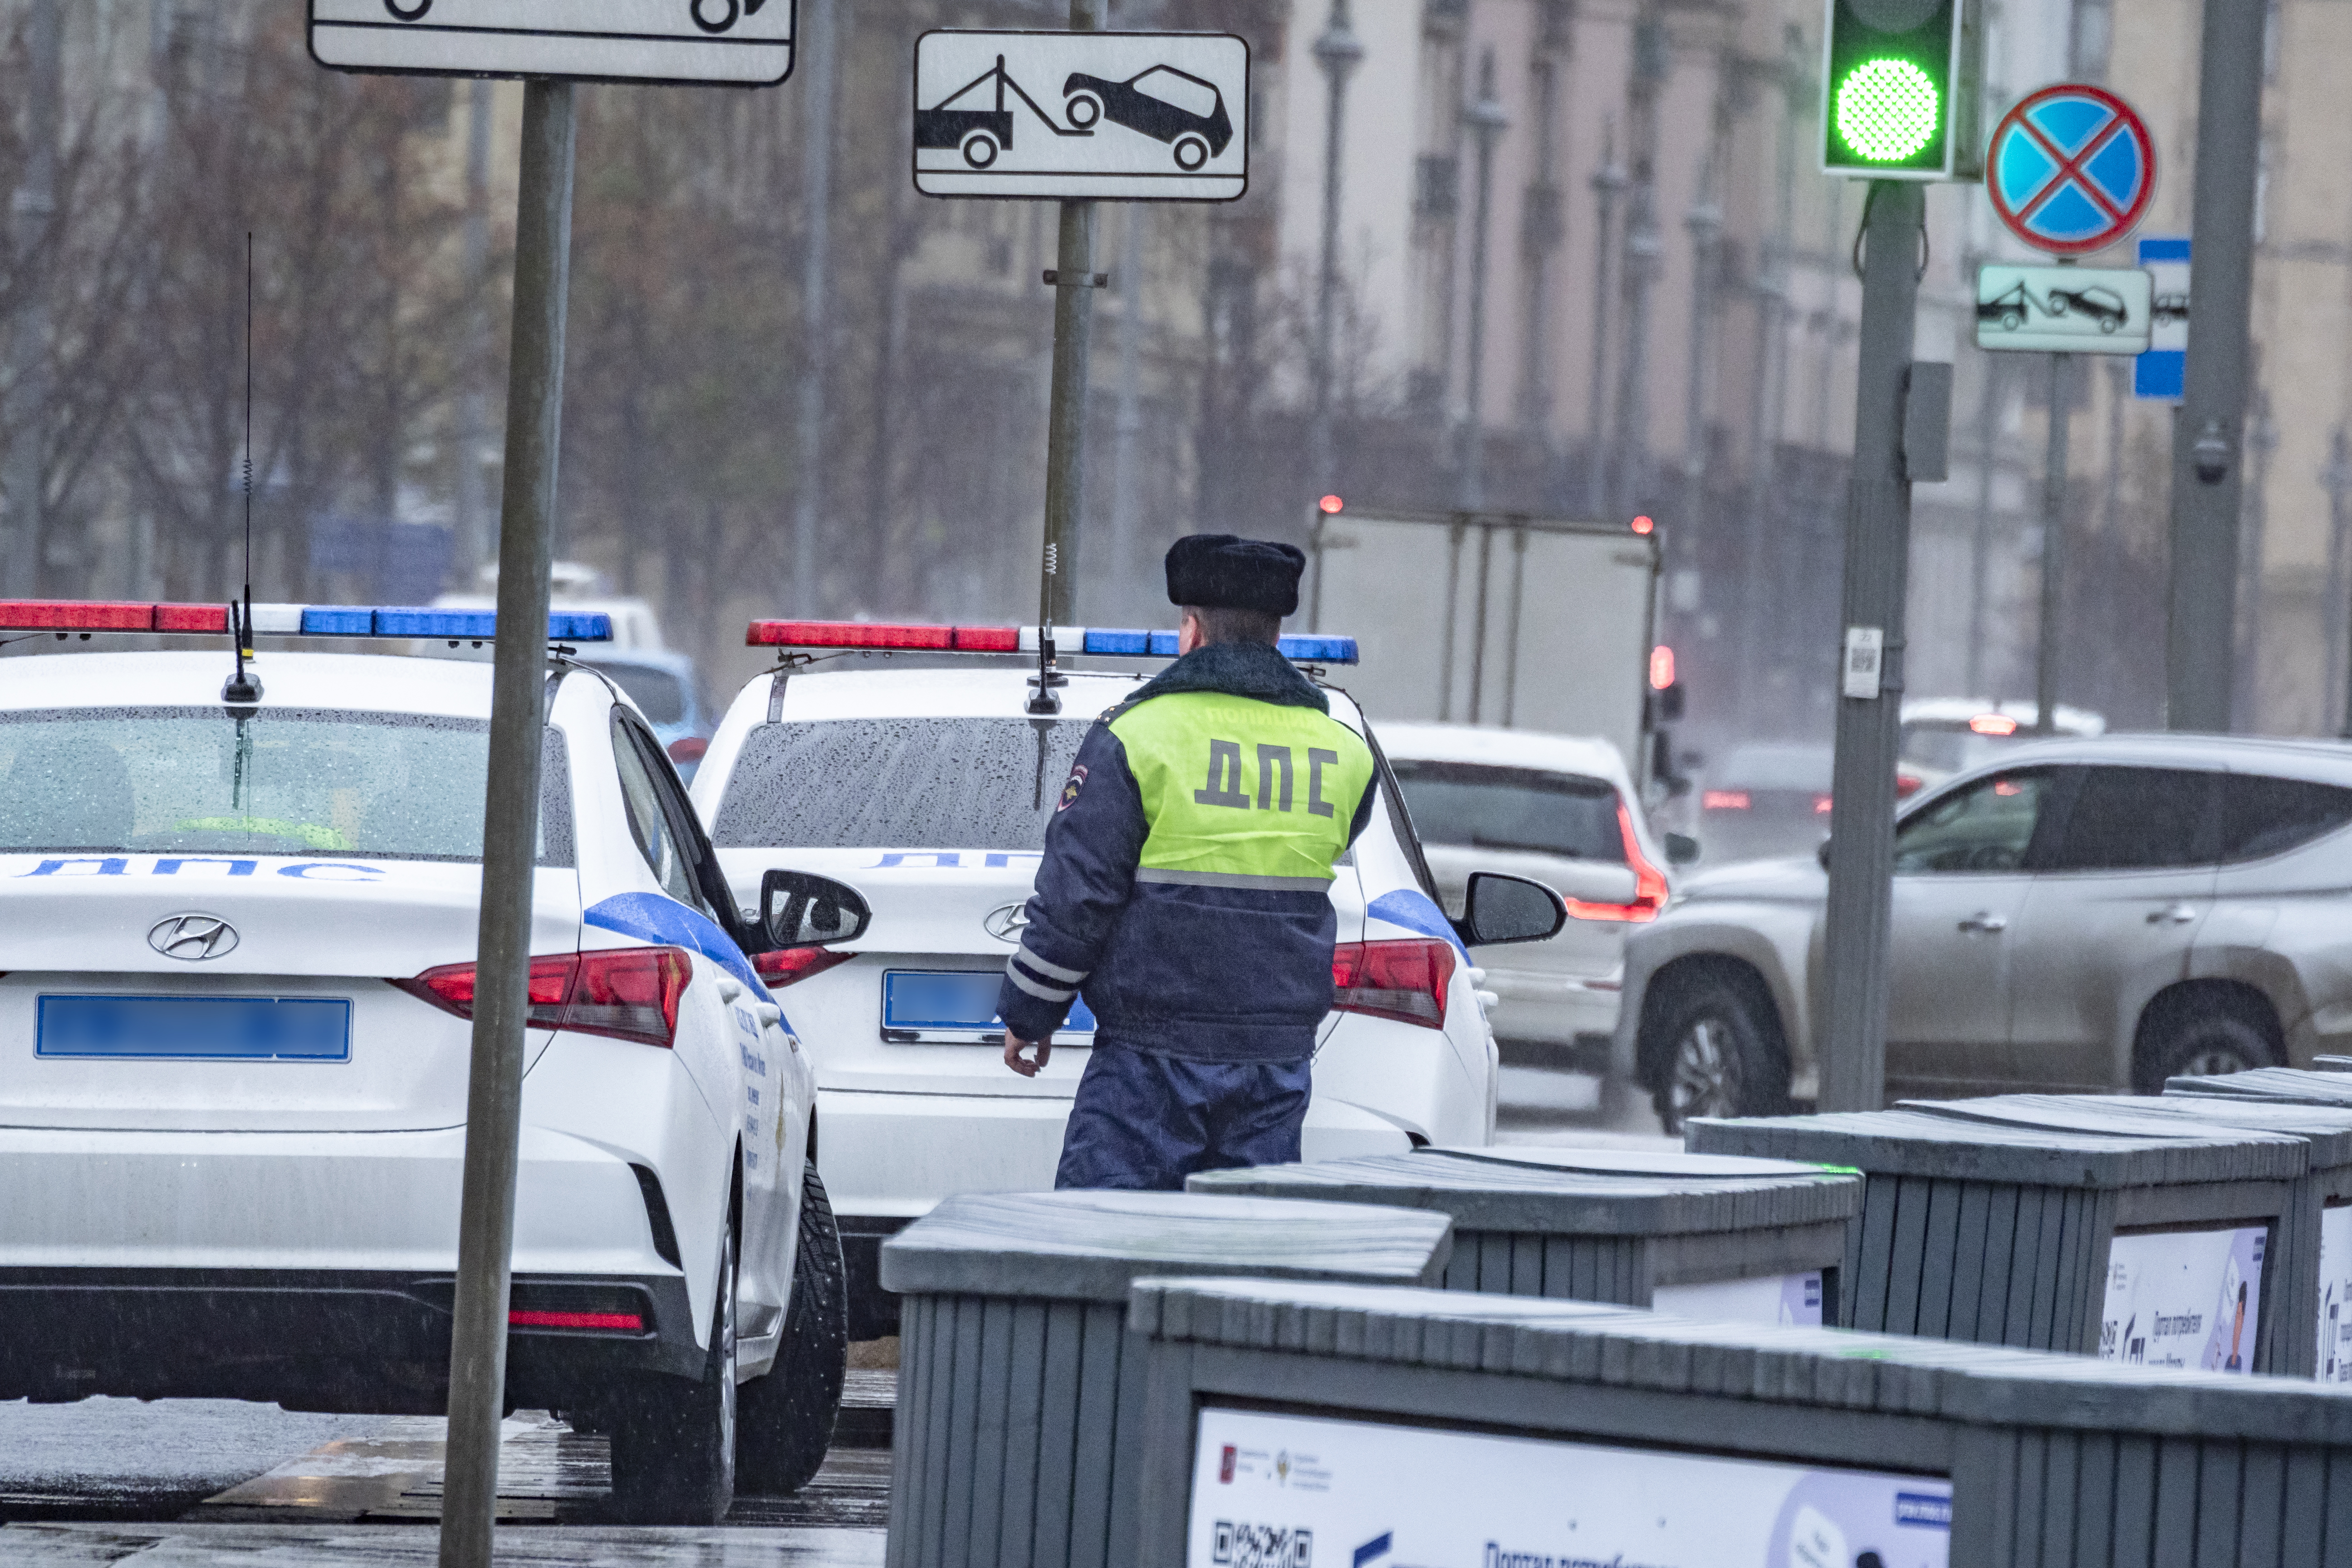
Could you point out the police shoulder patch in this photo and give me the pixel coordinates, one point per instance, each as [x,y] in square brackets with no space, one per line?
[1076,781]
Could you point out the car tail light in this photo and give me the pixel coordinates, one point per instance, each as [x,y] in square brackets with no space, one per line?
[627,993]
[796,963]
[1724,800]
[688,749]
[1820,805]
[1908,784]
[1404,980]
[1649,883]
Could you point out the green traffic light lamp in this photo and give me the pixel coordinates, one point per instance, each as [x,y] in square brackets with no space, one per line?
[1901,89]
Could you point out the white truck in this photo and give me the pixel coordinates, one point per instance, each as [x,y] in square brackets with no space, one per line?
[1530,622]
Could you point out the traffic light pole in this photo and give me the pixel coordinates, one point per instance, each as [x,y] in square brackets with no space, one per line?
[1869,713]
[2202,644]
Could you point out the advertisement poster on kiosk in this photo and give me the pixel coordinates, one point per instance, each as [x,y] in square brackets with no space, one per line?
[2335,1294]
[2185,1297]
[1278,1490]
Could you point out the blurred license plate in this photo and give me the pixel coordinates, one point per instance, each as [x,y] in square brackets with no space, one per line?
[195,1028]
[954,1007]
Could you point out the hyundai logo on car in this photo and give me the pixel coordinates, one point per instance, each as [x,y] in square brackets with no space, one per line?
[192,937]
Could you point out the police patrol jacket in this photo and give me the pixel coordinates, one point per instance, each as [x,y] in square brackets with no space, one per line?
[1186,882]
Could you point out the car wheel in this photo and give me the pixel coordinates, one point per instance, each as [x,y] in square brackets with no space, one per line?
[980,150]
[1084,112]
[787,1417]
[2203,1045]
[674,1441]
[408,13]
[1192,152]
[1716,1059]
[726,11]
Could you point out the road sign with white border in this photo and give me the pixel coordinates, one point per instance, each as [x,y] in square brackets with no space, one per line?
[696,43]
[2161,374]
[1070,115]
[2063,309]
[2071,169]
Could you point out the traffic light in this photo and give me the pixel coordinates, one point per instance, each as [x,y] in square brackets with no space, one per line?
[1899,96]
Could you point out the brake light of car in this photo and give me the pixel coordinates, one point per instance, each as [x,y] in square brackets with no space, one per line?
[797,964]
[1649,883]
[689,749]
[1908,785]
[623,1322]
[1405,980]
[1821,805]
[1993,725]
[1724,800]
[625,993]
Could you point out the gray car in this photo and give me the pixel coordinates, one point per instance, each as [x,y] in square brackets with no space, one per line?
[2090,915]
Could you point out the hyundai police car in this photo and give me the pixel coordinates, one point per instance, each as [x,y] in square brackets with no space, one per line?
[239,945]
[908,805]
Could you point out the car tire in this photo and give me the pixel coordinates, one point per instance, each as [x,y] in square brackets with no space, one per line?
[1191,154]
[1090,104]
[673,1440]
[2204,1043]
[1718,1059]
[727,11]
[410,12]
[786,1420]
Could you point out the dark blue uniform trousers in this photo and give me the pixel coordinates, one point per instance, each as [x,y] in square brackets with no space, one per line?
[1145,1122]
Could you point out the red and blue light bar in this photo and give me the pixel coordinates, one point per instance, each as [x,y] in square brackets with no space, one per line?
[288,620]
[1105,641]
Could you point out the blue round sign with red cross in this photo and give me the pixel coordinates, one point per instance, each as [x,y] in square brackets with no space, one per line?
[2071,169]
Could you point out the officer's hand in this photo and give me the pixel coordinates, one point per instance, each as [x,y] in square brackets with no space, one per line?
[1014,1045]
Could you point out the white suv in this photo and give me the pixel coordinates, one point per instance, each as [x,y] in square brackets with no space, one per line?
[911,805]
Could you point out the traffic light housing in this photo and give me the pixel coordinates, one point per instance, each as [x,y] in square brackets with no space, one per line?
[1900,93]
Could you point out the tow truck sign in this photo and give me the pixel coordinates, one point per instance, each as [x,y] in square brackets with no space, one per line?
[1073,116]
[2064,309]
[714,43]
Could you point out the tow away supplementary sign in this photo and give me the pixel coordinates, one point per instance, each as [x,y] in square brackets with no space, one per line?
[702,43]
[1076,116]
[2063,309]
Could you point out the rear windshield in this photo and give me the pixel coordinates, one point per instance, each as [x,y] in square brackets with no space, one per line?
[1803,769]
[945,783]
[1956,748]
[1512,808]
[660,695]
[287,782]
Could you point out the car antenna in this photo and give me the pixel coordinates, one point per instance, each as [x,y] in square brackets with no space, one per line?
[243,692]
[1045,701]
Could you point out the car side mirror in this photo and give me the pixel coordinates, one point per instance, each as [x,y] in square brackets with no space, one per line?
[1499,908]
[1682,849]
[798,909]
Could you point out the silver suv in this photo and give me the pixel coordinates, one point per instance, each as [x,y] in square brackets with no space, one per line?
[2093,914]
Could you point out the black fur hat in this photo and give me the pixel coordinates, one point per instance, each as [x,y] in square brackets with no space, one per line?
[1222,572]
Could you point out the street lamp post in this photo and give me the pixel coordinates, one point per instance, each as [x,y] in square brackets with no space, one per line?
[1338,51]
[1485,122]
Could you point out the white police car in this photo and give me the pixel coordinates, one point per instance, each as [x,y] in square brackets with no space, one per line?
[238,947]
[907,807]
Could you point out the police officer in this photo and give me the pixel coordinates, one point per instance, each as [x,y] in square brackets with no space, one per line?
[1186,891]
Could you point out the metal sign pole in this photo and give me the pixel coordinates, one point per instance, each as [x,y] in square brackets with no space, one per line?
[1869,714]
[2201,645]
[477,1348]
[2053,549]
[1065,423]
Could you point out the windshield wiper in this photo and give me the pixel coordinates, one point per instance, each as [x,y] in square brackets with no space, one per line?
[1483,842]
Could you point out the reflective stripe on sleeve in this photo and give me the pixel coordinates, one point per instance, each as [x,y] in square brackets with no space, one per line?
[1042,992]
[1225,880]
[1050,971]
